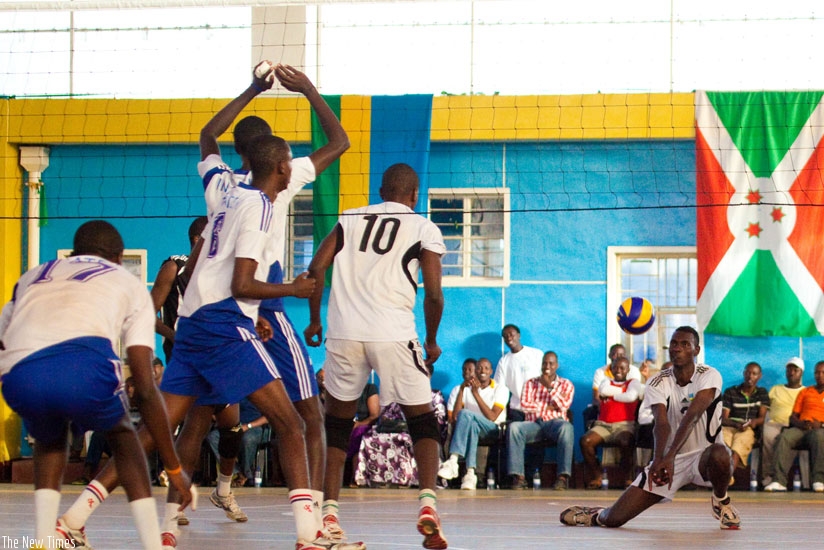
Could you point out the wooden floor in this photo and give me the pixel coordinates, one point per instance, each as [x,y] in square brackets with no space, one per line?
[482,520]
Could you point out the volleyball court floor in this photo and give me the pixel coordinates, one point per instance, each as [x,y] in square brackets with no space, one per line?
[481,520]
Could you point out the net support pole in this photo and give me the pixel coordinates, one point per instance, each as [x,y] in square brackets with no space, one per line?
[34,159]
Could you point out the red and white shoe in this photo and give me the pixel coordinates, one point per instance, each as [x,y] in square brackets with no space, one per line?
[429,525]
[332,529]
[168,540]
[76,538]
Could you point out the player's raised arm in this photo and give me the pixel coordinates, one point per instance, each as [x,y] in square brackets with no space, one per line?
[224,118]
[338,142]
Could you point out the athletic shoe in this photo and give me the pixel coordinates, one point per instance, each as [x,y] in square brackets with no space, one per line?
[322,543]
[76,538]
[724,510]
[469,482]
[581,516]
[332,529]
[818,487]
[229,505]
[448,470]
[429,525]
[561,484]
[168,540]
[517,482]
[775,487]
[182,519]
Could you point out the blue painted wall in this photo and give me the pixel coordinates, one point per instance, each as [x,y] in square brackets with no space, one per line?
[569,201]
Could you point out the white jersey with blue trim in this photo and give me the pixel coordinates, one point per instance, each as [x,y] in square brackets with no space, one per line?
[664,389]
[375,277]
[240,218]
[72,298]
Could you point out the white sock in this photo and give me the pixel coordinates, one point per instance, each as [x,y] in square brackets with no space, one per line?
[317,500]
[331,507]
[719,499]
[170,519]
[144,513]
[426,497]
[303,509]
[470,471]
[224,485]
[46,505]
[92,496]
[453,458]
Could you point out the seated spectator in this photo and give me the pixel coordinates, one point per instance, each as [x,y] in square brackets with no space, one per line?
[646,368]
[615,424]
[782,399]
[806,428]
[745,407]
[467,371]
[252,425]
[368,412]
[605,372]
[545,401]
[480,409]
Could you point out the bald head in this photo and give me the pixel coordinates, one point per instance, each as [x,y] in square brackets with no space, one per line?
[400,184]
[98,238]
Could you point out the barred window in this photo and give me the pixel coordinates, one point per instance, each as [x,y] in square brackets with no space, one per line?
[299,239]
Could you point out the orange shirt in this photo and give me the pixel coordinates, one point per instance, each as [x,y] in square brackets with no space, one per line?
[809,405]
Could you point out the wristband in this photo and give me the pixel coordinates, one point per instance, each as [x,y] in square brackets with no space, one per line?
[258,88]
[249,426]
[174,471]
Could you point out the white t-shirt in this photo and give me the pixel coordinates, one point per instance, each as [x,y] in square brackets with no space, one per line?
[72,298]
[493,394]
[375,277]
[514,369]
[601,375]
[664,389]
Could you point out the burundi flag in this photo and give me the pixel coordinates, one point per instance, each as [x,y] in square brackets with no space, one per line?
[760,219]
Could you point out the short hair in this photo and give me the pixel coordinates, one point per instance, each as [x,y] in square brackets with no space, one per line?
[614,347]
[621,358]
[399,181]
[550,352]
[196,227]
[157,362]
[265,152]
[469,360]
[247,130]
[98,238]
[515,327]
[691,330]
[752,364]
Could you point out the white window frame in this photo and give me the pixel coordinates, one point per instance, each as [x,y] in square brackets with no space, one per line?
[288,254]
[614,255]
[468,280]
[134,260]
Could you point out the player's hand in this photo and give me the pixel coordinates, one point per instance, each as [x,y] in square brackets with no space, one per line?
[303,286]
[266,82]
[263,329]
[313,335]
[433,351]
[293,80]
[661,472]
[183,484]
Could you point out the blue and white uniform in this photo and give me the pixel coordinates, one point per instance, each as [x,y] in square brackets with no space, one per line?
[60,331]
[217,352]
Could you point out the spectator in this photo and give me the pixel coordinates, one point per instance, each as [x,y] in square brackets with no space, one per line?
[467,371]
[805,428]
[516,367]
[745,407]
[369,410]
[616,422]
[605,372]
[545,401]
[252,429]
[782,399]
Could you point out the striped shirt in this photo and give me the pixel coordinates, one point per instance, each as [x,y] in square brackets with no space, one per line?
[541,403]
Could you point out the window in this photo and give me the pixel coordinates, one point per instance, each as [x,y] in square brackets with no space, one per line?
[667,277]
[475,227]
[299,238]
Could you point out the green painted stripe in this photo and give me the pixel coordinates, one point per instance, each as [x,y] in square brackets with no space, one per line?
[326,189]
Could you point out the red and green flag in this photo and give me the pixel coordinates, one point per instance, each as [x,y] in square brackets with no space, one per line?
[760,216]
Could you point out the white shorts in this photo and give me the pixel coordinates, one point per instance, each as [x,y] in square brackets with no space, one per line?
[686,472]
[404,379]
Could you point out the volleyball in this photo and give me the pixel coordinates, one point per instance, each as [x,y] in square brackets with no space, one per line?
[635,316]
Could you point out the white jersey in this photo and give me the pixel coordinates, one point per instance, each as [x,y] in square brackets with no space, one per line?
[375,278]
[493,394]
[240,218]
[664,389]
[72,298]
[514,369]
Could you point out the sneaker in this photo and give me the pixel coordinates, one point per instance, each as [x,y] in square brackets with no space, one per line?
[775,487]
[581,516]
[229,505]
[182,519]
[82,480]
[429,525]
[818,487]
[766,481]
[517,482]
[332,529]
[322,543]
[168,540]
[448,470]
[163,479]
[561,484]
[724,510]
[469,482]
[76,538]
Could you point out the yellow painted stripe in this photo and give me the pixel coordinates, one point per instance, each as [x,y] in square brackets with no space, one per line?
[356,118]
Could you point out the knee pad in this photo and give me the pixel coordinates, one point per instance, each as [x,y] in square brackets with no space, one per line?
[424,426]
[228,445]
[338,431]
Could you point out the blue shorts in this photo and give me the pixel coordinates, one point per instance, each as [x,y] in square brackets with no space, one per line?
[218,361]
[79,380]
[291,357]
